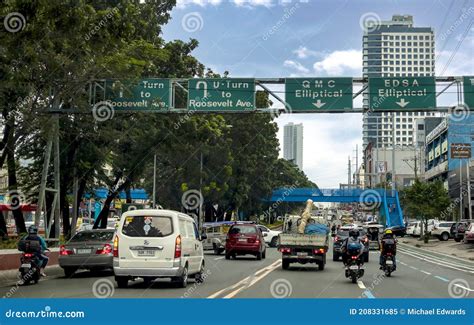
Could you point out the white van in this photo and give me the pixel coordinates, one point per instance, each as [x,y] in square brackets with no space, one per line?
[152,244]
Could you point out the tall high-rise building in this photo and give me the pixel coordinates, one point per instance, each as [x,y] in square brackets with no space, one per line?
[293,144]
[395,49]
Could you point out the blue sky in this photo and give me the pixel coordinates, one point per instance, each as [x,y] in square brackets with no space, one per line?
[282,38]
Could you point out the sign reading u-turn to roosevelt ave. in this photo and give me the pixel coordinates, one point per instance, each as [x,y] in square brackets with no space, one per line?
[227,94]
[468,87]
[402,93]
[318,94]
[144,94]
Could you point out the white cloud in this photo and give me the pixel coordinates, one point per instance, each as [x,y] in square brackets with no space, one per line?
[202,3]
[253,3]
[303,52]
[295,65]
[347,62]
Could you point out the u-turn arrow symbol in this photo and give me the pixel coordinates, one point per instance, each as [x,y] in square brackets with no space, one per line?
[204,84]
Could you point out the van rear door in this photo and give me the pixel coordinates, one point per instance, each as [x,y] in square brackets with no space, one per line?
[147,241]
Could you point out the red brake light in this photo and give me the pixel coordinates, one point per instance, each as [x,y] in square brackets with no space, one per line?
[177,247]
[319,251]
[28,255]
[107,249]
[354,257]
[285,250]
[115,249]
[63,251]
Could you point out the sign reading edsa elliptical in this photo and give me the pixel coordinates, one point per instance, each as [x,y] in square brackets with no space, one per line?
[318,94]
[468,87]
[402,93]
[144,94]
[225,94]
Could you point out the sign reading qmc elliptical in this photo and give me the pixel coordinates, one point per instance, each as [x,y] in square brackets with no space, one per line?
[402,93]
[318,94]
[226,94]
[145,94]
[468,88]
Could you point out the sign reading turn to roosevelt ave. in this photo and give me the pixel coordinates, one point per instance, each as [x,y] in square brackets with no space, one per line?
[144,94]
[468,87]
[226,94]
[318,94]
[402,93]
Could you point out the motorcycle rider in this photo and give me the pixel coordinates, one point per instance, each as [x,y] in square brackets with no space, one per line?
[353,238]
[43,259]
[388,244]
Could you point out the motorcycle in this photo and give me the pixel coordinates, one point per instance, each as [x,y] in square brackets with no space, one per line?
[388,266]
[29,268]
[354,268]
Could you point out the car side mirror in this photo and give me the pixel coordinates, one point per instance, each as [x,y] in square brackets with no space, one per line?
[203,236]
[265,234]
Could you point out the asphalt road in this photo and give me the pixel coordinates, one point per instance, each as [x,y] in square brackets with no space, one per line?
[420,274]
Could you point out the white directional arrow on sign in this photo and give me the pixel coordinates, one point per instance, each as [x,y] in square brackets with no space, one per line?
[318,103]
[402,103]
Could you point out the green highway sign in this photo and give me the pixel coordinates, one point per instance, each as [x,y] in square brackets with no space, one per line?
[225,94]
[468,86]
[402,93]
[145,94]
[318,94]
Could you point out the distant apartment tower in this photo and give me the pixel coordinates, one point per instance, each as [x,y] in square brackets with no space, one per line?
[293,144]
[394,49]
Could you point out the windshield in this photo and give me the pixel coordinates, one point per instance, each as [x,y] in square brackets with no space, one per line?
[242,230]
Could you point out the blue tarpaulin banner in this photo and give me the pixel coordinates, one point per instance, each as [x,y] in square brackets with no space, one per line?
[236,311]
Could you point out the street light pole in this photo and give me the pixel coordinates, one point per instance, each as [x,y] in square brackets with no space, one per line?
[469,189]
[393,152]
[154,181]
[200,196]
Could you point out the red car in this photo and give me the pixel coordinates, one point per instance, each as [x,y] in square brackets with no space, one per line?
[245,239]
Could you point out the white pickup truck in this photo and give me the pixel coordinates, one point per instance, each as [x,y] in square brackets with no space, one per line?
[302,248]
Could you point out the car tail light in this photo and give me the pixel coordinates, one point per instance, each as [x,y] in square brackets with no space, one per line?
[177,247]
[28,255]
[116,248]
[285,250]
[107,249]
[319,251]
[64,251]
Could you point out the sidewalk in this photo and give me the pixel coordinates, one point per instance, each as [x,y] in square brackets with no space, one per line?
[449,247]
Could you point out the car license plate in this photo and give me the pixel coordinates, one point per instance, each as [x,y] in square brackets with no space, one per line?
[26,265]
[302,254]
[389,262]
[353,267]
[146,253]
[84,251]
[242,240]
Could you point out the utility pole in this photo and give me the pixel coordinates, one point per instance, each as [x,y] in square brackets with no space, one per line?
[200,196]
[461,206]
[357,165]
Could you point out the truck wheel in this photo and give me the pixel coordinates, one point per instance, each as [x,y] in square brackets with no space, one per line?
[335,256]
[457,239]
[217,251]
[285,264]
[274,242]
[321,266]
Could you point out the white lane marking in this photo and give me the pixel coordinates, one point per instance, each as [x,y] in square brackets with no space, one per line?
[427,250]
[436,258]
[463,287]
[438,262]
[412,267]
[241,282]
[441,278]
[253,281]
[427,273]
[219,258]
[402,263]
[361,284]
